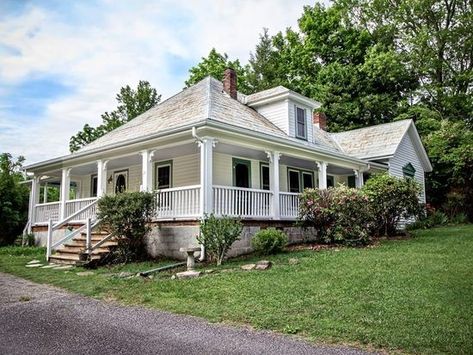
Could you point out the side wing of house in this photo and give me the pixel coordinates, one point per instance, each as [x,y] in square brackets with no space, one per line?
[406,162]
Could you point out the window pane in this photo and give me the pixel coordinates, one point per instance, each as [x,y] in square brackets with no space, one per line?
[294,181]
[164,177]
[265,177]
[307,181]
[300,123]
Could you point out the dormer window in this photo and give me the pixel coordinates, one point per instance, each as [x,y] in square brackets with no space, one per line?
[301,123]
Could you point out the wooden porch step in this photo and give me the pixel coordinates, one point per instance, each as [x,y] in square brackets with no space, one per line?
[101,233]
[75,249]
[94,238]
[70,259]
[81,243]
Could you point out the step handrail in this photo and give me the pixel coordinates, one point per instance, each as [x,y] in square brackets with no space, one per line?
[52,227]
[75,214]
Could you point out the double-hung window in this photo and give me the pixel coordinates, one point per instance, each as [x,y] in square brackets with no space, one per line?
[301,123]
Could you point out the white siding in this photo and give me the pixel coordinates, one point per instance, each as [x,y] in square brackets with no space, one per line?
[277,113]
[405,154]
[292,120]
[223,170]
[186,170]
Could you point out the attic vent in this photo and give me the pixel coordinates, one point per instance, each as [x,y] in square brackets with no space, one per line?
[408,170]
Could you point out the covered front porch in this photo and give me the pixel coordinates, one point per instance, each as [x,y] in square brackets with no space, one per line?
[193,178]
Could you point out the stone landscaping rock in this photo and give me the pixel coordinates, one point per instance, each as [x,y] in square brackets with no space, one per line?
[84,273]
[173,277]
[293,261]
[210,271]
[188,274]
[248,267]
[263,265]
[65,267]
[34,262]
[33,265]
[49,266]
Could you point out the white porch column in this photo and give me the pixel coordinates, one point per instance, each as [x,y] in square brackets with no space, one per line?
[65,186]
[34,198]
[274,181]
[358,179]
[101,177]
[322,168]
[206,174]
[147,170]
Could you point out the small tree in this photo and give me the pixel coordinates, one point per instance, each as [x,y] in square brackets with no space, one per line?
[13,199]
[218,234]
[391,199]
[127,215]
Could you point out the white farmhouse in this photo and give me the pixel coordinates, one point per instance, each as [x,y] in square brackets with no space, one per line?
[210,149]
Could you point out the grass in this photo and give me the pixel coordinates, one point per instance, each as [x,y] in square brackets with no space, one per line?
[411,295]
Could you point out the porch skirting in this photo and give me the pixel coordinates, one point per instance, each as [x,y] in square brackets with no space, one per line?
[166,238]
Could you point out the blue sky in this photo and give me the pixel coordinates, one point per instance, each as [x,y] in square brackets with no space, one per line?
[62,62]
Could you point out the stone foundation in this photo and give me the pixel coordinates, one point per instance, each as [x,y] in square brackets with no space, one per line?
[166,238]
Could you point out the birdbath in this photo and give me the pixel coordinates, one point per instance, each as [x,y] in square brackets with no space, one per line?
[190,256]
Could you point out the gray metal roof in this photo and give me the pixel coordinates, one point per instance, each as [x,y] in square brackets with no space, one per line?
[202,101]
[374,141]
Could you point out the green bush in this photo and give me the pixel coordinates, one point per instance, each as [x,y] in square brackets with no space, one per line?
[126,216]
[217,236]
[339,215]
[269,241]
[391,199]
[459,218]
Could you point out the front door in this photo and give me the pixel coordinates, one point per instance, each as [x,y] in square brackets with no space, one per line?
[121,181]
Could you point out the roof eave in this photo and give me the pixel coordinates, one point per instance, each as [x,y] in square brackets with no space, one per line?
[285,95]
[95,151]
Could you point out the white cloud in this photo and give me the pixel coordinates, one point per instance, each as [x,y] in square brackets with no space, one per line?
[115,44]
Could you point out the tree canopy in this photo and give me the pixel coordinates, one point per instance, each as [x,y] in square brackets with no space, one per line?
[13,198]
[376,61]
[131,103]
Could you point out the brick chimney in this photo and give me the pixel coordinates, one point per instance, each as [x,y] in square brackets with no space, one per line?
[230,82]
[320,120]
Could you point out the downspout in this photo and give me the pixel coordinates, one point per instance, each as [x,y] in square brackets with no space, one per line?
[202,247]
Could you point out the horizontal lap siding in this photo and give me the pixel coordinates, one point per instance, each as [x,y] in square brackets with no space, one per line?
[186,170]
[223,170]
[405,154]
[277,113]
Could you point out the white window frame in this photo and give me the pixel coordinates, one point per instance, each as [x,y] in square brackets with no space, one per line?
[296,123]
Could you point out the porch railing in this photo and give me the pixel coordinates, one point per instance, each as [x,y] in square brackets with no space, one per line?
[289,205]
[242,202]
[178,202]
[73,206]
[46,211]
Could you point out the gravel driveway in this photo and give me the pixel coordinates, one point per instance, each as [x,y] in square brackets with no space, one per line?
[40,319]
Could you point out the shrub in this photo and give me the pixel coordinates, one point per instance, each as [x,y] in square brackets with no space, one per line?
[391,199]
[459,218]
[25,240]
[126,215]
[269,241]
[218,234]
[340,214]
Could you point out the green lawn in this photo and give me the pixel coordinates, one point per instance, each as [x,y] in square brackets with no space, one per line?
[411,295]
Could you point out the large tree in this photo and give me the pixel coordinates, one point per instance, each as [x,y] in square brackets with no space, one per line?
[214,65]
[131,103]
[13,198]
[436,36]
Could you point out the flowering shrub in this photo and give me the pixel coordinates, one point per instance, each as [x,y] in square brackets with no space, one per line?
[391,199]
[340,215]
